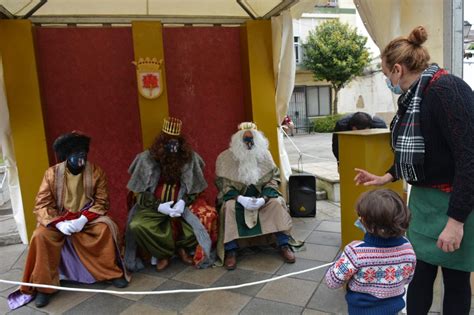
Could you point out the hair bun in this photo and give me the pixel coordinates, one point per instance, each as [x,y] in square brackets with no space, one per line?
[418,36]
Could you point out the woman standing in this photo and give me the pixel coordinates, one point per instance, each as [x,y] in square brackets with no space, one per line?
[432,136]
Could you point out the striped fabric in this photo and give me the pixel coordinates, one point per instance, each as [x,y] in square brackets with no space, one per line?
[167,192]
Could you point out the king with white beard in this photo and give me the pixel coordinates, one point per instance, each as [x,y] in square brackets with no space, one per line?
[249,200]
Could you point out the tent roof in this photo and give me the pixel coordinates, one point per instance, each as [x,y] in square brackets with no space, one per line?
[169,11]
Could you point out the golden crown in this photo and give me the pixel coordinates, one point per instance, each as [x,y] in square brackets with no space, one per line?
[148,63]
[172,126]
[248,125]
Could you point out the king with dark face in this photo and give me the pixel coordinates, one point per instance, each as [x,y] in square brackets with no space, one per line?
[73,148]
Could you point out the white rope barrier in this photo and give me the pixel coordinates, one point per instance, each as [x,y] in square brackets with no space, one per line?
[230,287]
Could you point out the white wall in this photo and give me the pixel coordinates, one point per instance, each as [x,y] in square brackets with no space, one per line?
[373,89]
[468,72]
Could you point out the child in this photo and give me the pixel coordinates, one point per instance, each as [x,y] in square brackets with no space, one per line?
[377,268]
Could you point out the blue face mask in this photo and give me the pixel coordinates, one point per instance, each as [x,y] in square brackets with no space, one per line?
[249,142]
[395,89]
[77,160]
[172,146]
[358,224]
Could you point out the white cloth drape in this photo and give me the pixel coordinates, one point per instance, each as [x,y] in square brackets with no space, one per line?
[387,19]
[284,65]
[6,143]
[284,68]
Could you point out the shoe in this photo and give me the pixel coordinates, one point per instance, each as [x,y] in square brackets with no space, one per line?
[42,299]
[162,264]
[287,254]
[119,282]
[230,261]
[185,258]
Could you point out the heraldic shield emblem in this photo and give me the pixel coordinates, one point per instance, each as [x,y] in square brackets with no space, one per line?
[149,77]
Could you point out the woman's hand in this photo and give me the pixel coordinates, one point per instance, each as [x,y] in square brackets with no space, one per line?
[450,239]
[369,179]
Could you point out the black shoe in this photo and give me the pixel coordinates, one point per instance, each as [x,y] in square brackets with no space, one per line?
[42,299]
[287,254]
[230,260]
[120,283]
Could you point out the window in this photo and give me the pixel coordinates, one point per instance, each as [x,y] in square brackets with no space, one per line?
[329,3]
[318,100]
[309,101]
[298,49]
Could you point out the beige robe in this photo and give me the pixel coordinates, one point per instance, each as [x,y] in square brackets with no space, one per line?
[273,216]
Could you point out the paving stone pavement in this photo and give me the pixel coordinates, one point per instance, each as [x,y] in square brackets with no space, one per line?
[304,294]
[295,295]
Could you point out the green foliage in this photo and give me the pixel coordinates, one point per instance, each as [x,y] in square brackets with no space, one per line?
[471,47]
[326,123]
[336,53]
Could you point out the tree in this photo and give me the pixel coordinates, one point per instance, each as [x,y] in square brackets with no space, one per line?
[336,53]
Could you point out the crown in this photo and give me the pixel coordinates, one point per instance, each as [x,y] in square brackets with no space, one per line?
[148,63]
[248,125]
[172,126]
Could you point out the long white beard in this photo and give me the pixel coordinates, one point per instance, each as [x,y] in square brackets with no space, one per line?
[249,171]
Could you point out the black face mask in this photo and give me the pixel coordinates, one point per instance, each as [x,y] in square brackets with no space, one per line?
[76,162]
[172,146]
[249,142]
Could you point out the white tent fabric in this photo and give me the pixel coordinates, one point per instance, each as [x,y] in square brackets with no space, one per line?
[6,143]
[385,20]
[219,8]
[284,67]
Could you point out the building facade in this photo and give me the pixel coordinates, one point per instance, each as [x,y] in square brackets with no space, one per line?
[311,98]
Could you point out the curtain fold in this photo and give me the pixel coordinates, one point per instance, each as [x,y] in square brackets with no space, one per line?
[6,144]
[387,19]
[284,68]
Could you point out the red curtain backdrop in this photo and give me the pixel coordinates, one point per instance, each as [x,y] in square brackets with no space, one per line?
[205,89]
[88,83]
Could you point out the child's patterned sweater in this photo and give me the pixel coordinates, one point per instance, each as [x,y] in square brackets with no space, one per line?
[376,271]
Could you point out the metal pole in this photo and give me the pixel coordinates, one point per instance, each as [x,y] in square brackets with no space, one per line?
[453,19]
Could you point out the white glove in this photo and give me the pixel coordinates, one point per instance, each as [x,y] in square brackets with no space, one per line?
[179,206]
[165,207]
[259,202]
[175,213]
[251,203]
[65,227]
[78,224]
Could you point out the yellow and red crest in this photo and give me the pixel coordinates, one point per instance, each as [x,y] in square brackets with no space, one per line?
[149,77]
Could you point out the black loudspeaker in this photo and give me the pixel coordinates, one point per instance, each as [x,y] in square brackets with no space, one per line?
[302,190]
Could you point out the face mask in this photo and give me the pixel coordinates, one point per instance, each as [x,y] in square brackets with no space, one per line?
[172,146]
[77,160]
[395,89]
[359,225]
[249,142]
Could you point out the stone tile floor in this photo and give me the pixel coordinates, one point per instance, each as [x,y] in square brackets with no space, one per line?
[301,294]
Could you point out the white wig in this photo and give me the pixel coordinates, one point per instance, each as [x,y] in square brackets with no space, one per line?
[249,172]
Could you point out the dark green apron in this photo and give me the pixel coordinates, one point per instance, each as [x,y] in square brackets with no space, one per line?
[428,207]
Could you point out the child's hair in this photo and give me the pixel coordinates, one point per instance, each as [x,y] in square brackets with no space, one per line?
[383,213]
